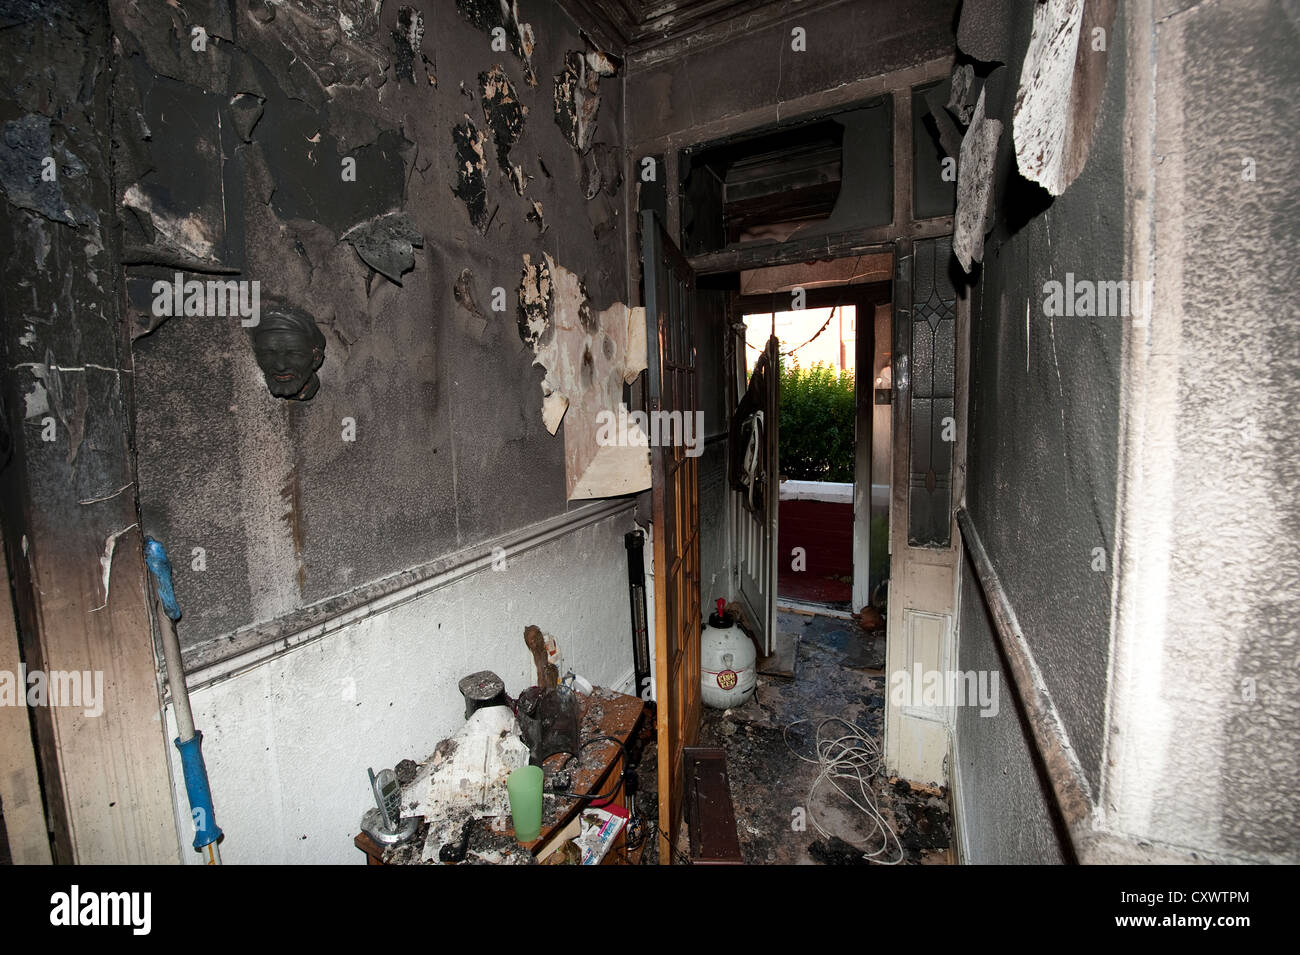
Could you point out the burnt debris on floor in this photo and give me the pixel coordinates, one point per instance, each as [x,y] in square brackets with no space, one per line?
[838,674]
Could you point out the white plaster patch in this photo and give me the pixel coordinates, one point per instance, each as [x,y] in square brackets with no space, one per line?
[979,149]
[36,401]
[588,358]
[186,233]
[554,406]
[106,561]
[1043,104]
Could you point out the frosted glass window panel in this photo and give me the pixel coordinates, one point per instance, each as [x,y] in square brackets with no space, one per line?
[934,382]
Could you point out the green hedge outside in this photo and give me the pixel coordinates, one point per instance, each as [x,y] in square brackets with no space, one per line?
[816,428]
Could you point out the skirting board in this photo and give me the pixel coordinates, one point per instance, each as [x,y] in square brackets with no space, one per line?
[955,799]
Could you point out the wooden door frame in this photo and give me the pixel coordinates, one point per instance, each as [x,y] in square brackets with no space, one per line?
[915,747]
[21,800]
[68,501]
[894,238]
[670,465]
[864,297]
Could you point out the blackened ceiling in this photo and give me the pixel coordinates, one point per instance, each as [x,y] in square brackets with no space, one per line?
[637,26]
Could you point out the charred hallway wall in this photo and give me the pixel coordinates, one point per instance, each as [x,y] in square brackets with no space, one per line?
[267,155]
[1042,469]
[424,450]
[372,164]
[1124,471]
[1206,694]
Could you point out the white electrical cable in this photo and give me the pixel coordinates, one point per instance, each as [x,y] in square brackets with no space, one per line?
[854,756]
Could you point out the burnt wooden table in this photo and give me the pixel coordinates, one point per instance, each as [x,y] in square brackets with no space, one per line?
[596,770]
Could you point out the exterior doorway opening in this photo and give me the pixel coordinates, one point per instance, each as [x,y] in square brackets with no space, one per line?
[833,435]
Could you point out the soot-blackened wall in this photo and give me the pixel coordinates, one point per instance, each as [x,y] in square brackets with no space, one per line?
[257,157]
[1042,469]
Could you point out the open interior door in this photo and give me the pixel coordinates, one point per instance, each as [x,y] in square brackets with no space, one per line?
[672,394]
[756,487]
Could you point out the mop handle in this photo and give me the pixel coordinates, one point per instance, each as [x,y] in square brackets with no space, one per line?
[155,556]
[189,741]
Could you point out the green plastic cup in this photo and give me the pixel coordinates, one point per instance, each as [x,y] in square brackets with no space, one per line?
[525,789]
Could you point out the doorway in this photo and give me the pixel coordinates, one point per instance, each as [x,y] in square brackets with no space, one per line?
[834,204]
[833,430]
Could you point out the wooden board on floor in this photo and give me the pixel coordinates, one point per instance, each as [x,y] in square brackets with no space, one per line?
[789,626]
[710,813]
[20,785]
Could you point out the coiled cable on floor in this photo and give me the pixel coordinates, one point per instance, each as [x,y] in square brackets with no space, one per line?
[852,758]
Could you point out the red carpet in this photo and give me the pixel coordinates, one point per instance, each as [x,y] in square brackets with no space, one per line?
[825,532]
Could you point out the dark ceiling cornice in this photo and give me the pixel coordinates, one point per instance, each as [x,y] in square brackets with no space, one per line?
[653,30]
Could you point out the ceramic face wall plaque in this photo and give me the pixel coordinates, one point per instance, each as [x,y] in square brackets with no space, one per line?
[289,348]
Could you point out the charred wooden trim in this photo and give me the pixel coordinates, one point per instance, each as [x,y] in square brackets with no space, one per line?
[671,34]
[250,646]
[797,109]
[1069,785]
[863,296]
[903,160]
[609,24]
[856,242]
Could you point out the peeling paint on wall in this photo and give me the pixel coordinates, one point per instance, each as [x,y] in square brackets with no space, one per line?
[959,99]
[535,216]
[489,15]
[1042,116]
[26,152]
[471,171]
[106,562]
[577,96]
[1061,85]
[36,402]
[407,38]
[535,304]
[359,19]
[318,52]
[247,109]
[188,235]
[588,358]
[979,150]
[387,244]
[505,116]
[181,204]
[602,169]
[304,155]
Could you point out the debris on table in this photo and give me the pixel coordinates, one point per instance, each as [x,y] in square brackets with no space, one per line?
[466,777]
[464,780]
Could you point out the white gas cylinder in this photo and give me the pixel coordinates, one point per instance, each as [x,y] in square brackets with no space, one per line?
[728,663]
